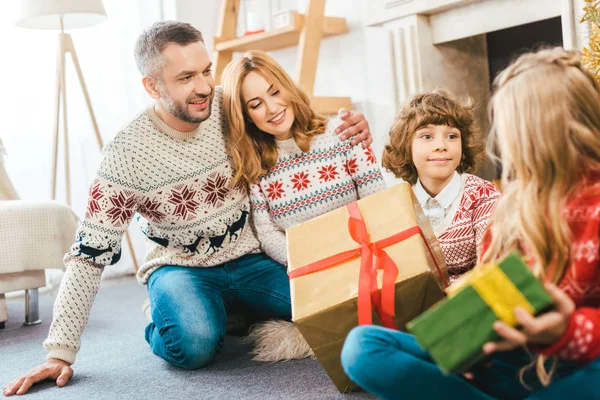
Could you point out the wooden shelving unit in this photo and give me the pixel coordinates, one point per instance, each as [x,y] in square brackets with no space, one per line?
[305,31]
[281,38]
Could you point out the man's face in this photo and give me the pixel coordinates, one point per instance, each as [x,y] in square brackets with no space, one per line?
[186,84]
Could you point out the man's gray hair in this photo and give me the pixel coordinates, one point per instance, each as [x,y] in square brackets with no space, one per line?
[153,41]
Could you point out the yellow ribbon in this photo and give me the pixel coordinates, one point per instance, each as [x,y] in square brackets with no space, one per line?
[495,289]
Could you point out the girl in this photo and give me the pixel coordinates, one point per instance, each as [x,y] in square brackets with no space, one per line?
[546,111]
[434,144]
[292,158]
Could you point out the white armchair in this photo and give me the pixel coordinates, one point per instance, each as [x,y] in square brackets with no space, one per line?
[34,236]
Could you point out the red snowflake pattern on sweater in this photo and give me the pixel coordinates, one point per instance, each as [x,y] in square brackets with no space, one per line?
[466,205]
[371,159]
[94,196]
[123,206]
[150,209]
[586,250]
[486,189]
[328,173]
[274,190]
[183,199]
[351,166]
[216,189]
[240,186]
[583,336]
[300,181]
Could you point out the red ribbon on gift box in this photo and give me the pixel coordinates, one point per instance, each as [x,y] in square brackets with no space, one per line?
[373,258]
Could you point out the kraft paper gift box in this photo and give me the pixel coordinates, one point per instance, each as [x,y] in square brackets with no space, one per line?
[377,253]
[454,331]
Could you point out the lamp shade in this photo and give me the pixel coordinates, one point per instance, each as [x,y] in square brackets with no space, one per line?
[46,14]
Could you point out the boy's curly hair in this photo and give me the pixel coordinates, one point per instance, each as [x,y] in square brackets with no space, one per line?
[438,108]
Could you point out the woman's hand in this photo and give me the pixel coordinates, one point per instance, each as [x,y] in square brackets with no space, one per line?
[543,330]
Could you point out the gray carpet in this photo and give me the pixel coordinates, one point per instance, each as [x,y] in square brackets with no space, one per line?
[115,362]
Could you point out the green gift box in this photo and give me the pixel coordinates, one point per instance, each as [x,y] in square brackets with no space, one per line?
[454,330]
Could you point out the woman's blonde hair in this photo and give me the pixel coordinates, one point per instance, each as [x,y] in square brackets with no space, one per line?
[254,152]
[439,108]
[546,121]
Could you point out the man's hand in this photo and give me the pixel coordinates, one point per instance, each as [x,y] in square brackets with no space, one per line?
[546,329]
[54,369]
[355,126]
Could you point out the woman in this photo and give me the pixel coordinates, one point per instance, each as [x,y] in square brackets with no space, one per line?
[294,162]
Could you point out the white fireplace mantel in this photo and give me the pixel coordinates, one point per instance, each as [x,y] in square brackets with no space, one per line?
[458,19]
[442,43]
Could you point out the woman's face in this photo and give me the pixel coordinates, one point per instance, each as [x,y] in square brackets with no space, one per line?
[267,107]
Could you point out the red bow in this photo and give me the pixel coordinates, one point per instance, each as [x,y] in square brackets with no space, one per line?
[373,258]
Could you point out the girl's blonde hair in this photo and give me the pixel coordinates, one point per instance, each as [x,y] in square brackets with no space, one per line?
[254,152]
[546,122]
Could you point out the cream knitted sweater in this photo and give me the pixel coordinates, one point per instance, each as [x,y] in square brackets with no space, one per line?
[179,184]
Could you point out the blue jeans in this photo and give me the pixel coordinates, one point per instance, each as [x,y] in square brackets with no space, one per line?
[189,305]
[391,365]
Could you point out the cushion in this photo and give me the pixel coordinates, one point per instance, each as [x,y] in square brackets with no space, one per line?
[35,234]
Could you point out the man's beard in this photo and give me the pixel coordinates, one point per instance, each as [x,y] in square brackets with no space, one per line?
[180,109]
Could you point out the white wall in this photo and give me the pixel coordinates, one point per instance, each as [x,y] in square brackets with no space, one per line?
[105,52]
[355,64]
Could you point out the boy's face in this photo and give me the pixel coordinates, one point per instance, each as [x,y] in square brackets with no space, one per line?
[436,152]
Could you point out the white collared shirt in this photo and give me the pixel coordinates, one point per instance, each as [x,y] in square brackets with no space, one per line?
[436,208]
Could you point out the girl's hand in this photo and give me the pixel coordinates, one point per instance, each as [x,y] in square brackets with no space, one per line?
[544,330]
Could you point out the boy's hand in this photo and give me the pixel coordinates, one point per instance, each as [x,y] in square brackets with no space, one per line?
[354,124]
[545,329]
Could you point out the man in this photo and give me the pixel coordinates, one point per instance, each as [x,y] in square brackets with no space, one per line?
[171,166]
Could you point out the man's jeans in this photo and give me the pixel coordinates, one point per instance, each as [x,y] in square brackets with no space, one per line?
[189,305]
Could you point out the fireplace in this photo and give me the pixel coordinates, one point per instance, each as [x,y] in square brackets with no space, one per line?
[462,44]
[505,45]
